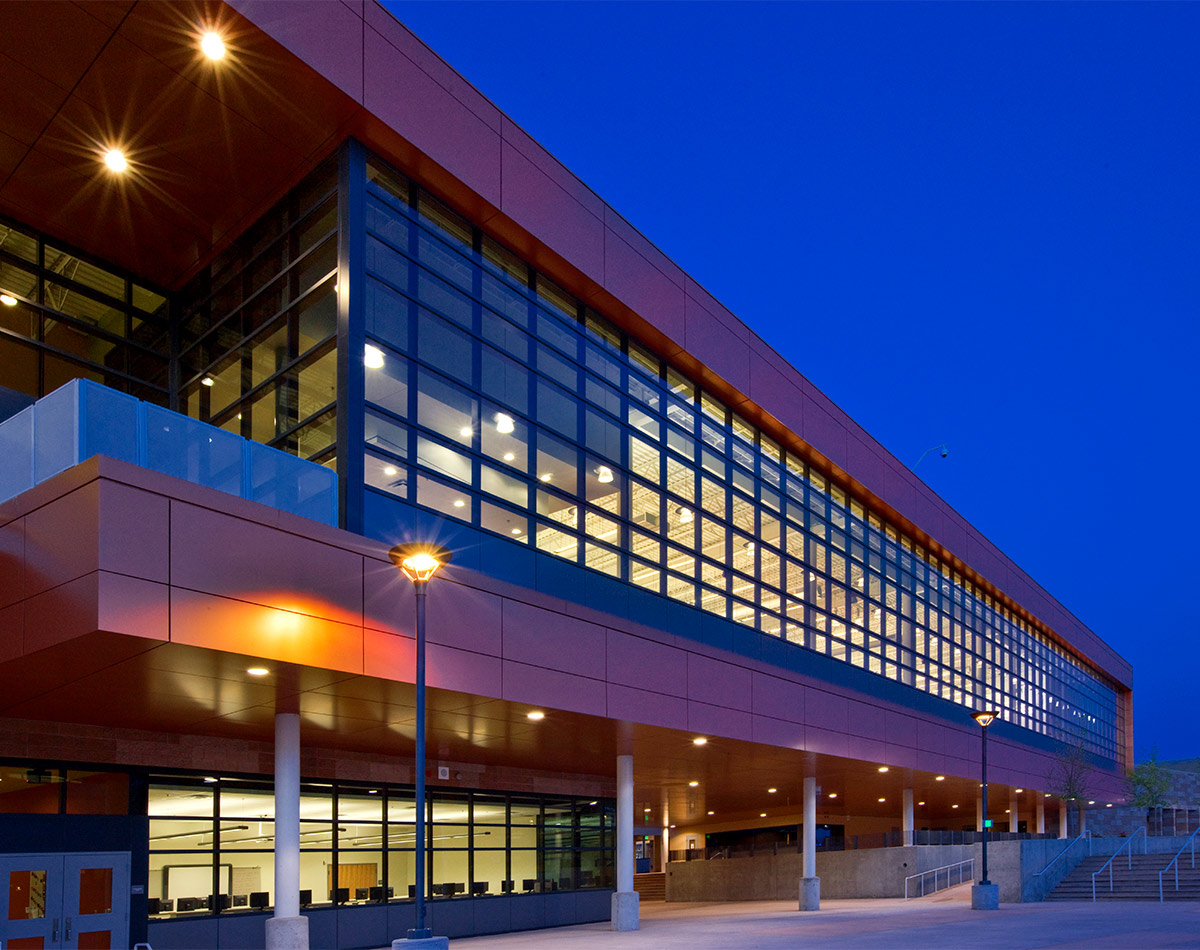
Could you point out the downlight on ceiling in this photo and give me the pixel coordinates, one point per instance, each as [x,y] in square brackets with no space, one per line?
[212,45]
[8,300]
[115,159]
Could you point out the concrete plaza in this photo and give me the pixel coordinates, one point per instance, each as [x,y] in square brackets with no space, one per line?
[939,920]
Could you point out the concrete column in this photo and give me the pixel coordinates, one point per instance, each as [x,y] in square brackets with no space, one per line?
[666,837]
[810,884]
[979,813]
[906,818]
[1040,818]
[1082,818]
[1062,819]
[1014,822]
[287,930]
[625,900]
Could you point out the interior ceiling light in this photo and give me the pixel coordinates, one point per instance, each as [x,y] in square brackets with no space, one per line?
[504,423]
[953,806]
[762,815]
[545,478]
[693,784]
[258,671]
[114,158]
[939,778]
[509,456]
[459,503]
[537,715]
[208,381]
[883,799]
[920,803]
[212,45]
[833,794]
[389,470]
[604,474]
[883,768]
[372,357]
[772,791]
[8,300]
[465,431]
[1019,790]
[685,515]
[712,812]
[699,740]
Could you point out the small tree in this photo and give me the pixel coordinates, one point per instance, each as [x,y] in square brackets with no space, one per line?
[1147,785]
[1070,774]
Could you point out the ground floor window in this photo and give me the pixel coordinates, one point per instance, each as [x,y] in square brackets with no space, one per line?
[212,844]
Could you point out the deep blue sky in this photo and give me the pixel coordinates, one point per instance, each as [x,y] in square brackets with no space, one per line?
[967,223]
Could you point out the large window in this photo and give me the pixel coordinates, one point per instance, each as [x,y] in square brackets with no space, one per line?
[65,316]
[497,399]
[212,841]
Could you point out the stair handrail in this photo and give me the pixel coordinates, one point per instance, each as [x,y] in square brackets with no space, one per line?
[1191,839]
[1108,864]
[958,866]
[1070,844]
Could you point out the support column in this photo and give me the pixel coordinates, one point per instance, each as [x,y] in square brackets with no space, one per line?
[906,819]
[979,813]
[810,884]
[1062,819]
[287,930]
[1014,821]
[666,837]
[1041,816]
[625,900]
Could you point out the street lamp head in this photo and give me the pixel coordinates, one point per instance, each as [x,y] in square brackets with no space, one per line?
[419,562]
[985,717]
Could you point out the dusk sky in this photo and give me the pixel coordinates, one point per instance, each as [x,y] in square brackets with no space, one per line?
[968,223]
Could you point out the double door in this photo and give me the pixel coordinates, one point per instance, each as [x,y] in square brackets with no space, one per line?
[60,901]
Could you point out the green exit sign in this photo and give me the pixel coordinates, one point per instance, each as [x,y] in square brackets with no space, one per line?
[987,822]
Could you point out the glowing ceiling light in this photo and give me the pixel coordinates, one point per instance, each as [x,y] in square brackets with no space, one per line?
[459,503]
[939,778]
[883,799]
[772,791]
[516,530]
[258,671]
[545,478]
[389,470]
[504,423]
[465,431]
[212,45]
[508,456]
[8,300]
[208,381]
[699,740]
[833,794]
[763,815]
[883,768]
[920,803]
[604,474]
[1019,790]
[712,812]
[953,806]
[372,357]
[693,784]
[115,159]
[685,515]
[536,715]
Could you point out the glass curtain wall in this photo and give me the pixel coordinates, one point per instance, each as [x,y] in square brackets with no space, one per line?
[66,316]
[497,399]
[258,333]
[212,840]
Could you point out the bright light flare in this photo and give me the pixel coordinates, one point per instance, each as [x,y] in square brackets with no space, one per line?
[115,159]
[212,45]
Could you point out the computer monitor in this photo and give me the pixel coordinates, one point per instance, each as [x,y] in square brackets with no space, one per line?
[377,893]
[506,887]
[479,887]
[306,897]
[460,887]
[240,900]
[412,891]
[219,900]
[339,895]
[360,893]
[528,884]
[260,899]
[159,905]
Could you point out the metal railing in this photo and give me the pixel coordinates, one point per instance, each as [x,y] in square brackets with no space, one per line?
[1063,852]
[1191,839]
[1128,857]
[951,871]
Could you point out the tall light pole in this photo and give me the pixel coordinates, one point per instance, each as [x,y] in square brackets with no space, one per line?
[420,562]
[985,897]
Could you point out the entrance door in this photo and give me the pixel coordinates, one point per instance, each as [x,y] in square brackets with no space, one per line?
[64,901]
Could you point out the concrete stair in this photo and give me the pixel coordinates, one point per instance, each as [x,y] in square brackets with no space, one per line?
[1139,883]
[653,887]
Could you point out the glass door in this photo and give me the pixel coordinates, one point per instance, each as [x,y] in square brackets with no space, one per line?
[64,901]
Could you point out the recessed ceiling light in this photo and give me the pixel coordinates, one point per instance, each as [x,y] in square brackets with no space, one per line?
[1047,795]
[508,456]
[939,778]
[459,503]
[672,826]
[772,791]
[504,423]
[8,300]
[712,812]
[699,740]
[546,477]
[372,791]
[516,530]
[833,794]
[1109,805]
[883,799]
[209,779]
[1092,802]
[645,809]
[693,784]
[920,803]
[372,357]
[537,715]
[258,671]
[1019,790]
[208,381]
[883,768]
[465,431]
[389,470]
[763,815]
[212,45]
[953,806]
[115,159]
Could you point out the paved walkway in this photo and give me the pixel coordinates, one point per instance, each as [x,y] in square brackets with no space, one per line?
[937,921]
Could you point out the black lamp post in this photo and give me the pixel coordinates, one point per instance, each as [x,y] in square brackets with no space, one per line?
[420,562]
[985,719]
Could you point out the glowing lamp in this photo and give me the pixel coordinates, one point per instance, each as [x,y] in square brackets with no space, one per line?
[985,718]
[419,562]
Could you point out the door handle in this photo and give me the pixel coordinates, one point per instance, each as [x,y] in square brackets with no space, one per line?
[67,934]
[54,931]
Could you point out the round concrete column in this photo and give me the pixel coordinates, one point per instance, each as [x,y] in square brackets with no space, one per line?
[810,884]
[625,900]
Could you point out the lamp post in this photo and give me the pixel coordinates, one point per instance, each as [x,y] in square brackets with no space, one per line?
[985,896]
[420,562]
